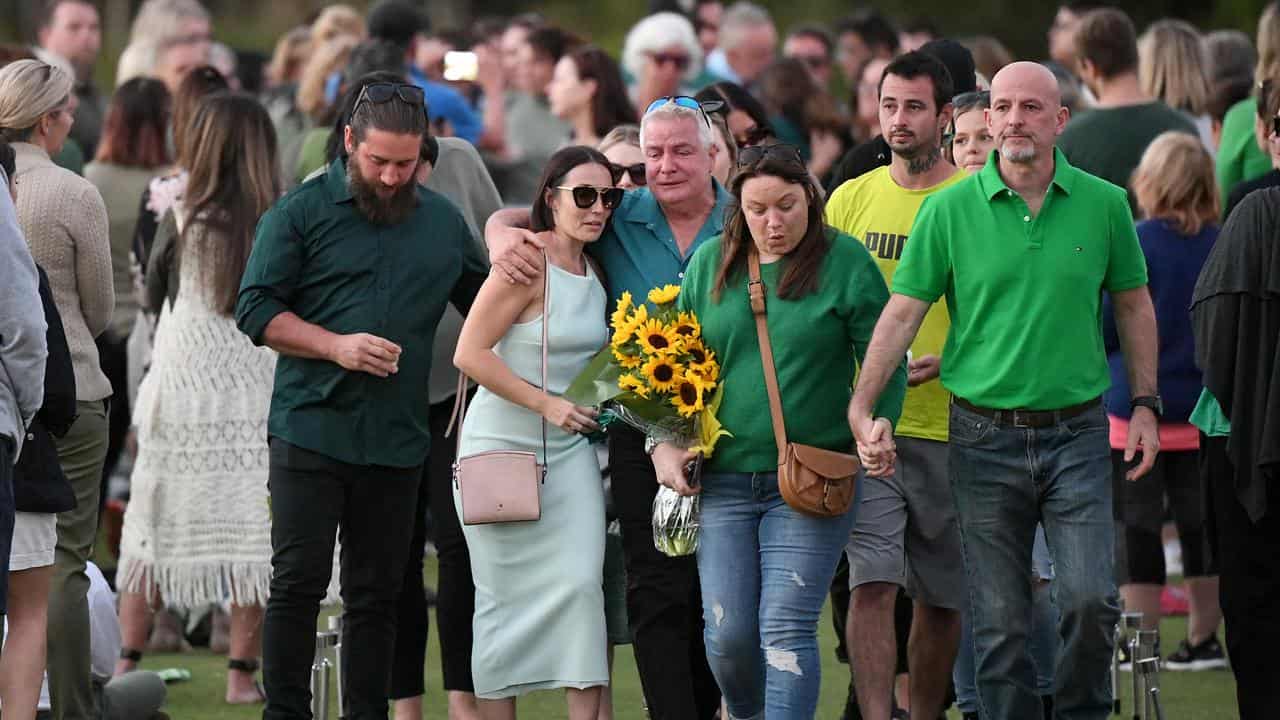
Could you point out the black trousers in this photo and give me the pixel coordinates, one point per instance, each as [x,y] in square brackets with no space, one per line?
[113,358]
[455,591]
[314,497]
[664,601]
[7,447]
[1248,556]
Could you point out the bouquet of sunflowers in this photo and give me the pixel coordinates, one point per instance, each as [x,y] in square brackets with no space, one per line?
[658,377]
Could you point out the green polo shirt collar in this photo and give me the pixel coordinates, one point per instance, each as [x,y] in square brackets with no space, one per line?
[1064,175]
[337,183]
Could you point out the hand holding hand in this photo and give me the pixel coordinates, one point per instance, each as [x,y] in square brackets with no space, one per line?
[516,254]
[1144,437]
[362,352]
[923,369]
[569,417]
[669,462]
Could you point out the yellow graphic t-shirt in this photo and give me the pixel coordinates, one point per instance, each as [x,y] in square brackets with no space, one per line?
[879,212]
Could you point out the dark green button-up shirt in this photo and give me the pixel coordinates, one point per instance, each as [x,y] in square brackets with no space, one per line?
[315,255]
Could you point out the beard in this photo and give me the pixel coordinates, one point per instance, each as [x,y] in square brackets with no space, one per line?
[921,155]
[391,210]
[1025,154]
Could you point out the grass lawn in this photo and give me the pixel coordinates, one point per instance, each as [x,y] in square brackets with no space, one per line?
[1186,696]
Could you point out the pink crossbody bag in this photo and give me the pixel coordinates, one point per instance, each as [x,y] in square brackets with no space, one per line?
[500,486]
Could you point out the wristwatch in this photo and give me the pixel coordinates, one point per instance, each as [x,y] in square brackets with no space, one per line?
[650,444]
[1153,402]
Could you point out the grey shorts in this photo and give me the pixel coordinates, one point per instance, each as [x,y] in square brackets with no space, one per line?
[906,531]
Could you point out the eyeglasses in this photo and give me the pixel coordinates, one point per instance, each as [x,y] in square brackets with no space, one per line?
[584,196]
[756,135]
[679,60]
[690,103]
[378,93]
[780,151]
[636,172]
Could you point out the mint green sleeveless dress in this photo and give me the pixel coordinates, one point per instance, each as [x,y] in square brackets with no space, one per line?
[539,620]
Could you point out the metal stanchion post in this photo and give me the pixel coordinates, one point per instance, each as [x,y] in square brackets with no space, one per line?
[1117,638]
[1130,623]
[335,627]
[1149,668]
[1148,641]
[321,669]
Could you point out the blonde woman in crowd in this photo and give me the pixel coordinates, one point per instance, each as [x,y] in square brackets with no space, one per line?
[1173,67]
[65,224]
[159,28]
[290,55]
[197,526]
[326,60]
[336,21]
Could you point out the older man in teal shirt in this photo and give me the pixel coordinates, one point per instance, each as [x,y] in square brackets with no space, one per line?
[648,243]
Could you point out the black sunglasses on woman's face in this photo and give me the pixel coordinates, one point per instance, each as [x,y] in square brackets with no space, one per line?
[636,172]
[584,196]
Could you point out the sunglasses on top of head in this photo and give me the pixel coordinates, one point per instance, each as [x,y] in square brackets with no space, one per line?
[636,172]
[381,92]
[779,151]
[584,196]
[684,101]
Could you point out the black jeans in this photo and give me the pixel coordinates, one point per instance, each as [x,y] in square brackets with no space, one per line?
[1248,555]
[113,358]
[664,603]
[455,591]
[312,498]
[7,447]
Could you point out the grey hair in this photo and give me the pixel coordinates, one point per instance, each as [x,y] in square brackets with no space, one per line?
[659,31]
[159,21]
[738,18]
[672,111]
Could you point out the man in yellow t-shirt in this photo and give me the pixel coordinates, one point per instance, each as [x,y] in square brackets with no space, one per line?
[907,534]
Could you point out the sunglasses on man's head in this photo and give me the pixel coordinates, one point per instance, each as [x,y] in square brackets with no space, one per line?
[378,93]
[636,172]
[778,151]
[584,196]
[690,103]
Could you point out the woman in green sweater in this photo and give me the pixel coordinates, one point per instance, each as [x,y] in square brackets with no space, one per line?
[1242,151]
[764,567]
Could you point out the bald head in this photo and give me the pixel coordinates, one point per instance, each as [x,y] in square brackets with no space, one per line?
[1030,78]
[1026,114]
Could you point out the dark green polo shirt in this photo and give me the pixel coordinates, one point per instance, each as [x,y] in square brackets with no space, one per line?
[316,256]
[1024,292]
[638,251]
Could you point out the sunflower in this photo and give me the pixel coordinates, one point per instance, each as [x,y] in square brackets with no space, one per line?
[630,362]
[657,338]
[664,295]
[619,317]
[687,326]
[662,372]
[696,352]
[633,384]
[687,396]
[708,370]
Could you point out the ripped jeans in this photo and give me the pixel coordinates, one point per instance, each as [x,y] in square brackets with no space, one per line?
[765,570]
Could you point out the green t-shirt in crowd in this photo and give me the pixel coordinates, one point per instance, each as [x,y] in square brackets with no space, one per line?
[1024,292]
[1208,416]
[1109,142]
[818,340]
[1239,157]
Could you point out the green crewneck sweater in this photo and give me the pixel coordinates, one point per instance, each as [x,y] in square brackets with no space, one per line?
[818,341]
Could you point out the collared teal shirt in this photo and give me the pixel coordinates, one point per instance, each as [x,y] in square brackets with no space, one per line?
[315,255]
[638,250]
[1024,292]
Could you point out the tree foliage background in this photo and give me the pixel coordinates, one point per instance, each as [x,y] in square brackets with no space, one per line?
[1019,24]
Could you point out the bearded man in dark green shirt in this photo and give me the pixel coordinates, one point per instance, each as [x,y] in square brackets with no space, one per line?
[348,279]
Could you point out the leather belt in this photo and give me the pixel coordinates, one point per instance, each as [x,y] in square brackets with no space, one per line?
[1029,418]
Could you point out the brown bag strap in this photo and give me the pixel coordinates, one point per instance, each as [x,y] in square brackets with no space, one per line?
[460,399]
[756,291]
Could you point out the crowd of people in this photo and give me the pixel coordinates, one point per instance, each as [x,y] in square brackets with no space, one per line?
[246,304]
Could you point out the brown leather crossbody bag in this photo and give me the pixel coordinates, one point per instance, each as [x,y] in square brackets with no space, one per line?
[812,480]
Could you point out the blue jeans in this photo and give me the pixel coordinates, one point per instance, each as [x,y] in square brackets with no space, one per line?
[1042,642]
[1006,480]
[764,570]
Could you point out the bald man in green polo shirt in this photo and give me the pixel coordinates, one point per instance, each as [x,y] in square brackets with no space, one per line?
[1022,251]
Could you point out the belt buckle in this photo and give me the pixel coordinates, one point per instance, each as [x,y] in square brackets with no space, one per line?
[1019,421]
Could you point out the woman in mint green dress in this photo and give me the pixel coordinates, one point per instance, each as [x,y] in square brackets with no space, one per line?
[539,618]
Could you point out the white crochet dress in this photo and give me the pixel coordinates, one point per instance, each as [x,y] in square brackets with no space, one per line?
[198,523]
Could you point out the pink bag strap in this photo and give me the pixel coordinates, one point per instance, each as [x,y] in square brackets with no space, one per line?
[459,412]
